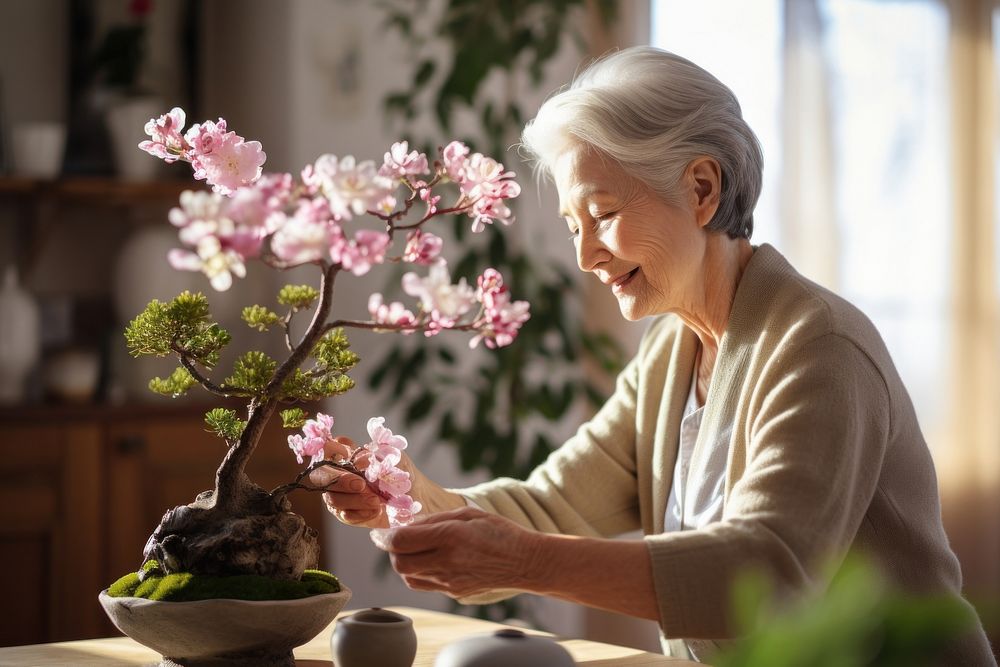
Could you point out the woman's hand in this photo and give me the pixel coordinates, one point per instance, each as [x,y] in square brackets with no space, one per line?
[352,500]
[348,496]
[461,552]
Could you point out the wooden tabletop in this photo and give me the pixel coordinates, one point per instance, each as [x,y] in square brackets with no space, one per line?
[434,631]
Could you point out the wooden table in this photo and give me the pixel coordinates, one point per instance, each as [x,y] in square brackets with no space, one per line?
[434,631]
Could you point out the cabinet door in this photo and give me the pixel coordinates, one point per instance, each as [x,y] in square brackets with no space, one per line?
[51,537]
[160,462]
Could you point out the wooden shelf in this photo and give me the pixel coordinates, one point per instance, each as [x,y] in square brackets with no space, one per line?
[98,191]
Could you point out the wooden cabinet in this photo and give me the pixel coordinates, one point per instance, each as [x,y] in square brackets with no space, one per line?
[82,488]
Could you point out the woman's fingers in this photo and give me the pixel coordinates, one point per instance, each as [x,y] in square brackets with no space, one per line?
[340,447]
[352,501]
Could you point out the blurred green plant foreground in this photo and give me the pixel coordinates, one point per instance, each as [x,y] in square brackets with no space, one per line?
[857,620]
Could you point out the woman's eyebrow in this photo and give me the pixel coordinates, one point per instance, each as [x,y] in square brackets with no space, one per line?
[581,192]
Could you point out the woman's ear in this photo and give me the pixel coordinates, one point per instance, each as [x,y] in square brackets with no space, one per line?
[704,176]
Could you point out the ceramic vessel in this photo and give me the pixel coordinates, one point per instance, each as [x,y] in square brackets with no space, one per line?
[19,337]
[72,375]
[38,149]
[126,120]
[225,633]
[504,647]
[374,637]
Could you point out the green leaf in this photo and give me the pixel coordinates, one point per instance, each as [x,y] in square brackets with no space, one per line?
[293,418]
[259,317]
[298,297]
[176,385]
[420,409]
[252,371]
[332,353]
[424,72]
[225,424]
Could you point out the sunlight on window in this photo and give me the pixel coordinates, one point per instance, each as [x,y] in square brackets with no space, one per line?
[740,43]
[886,64]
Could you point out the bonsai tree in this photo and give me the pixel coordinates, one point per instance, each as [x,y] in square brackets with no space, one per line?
[283,222]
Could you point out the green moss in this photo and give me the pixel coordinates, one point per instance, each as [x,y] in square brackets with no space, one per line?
[186,587]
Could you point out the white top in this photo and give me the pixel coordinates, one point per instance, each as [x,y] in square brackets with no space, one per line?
[699,474]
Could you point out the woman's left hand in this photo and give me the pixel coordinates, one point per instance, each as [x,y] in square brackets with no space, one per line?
[460,552]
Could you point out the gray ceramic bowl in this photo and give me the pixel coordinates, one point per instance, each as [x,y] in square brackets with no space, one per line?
[504,648]
[373,637]
[241,631]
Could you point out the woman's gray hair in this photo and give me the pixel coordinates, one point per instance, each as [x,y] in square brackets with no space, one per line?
[654,112]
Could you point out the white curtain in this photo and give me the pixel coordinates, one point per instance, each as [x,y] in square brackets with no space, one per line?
[878,120]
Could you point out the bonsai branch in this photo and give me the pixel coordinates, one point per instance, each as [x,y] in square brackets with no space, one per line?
[222,390]
[347,466]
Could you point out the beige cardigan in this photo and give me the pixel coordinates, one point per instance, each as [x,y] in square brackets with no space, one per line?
[826,456]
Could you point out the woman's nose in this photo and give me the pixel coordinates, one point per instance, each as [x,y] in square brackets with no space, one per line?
[589,252]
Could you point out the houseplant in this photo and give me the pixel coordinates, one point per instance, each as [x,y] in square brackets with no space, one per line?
[238,530]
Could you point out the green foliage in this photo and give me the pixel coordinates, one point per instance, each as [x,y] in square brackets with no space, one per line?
[333,359]
[298,297]
[302,386]
[333,354]
[540,375]
[176,385]
[857,621]
[186,587]
[225,424]
[181,326]
[293,418]
[511,36]
[259,317]
[252,371]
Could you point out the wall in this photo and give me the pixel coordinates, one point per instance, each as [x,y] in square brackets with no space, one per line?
[306,77]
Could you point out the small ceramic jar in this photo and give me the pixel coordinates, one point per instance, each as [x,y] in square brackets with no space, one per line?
[504,647]
[374,637]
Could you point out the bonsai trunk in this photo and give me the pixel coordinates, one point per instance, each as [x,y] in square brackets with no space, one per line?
[238,527]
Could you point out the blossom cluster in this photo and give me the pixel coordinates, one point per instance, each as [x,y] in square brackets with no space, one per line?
[314,219]
[218,156]
[378,460]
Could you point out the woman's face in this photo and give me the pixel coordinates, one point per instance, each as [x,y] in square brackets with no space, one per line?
[645,250]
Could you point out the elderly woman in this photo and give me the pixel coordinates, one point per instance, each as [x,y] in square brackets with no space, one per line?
[762,423]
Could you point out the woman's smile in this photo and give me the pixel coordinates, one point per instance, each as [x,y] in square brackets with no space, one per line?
[619,285]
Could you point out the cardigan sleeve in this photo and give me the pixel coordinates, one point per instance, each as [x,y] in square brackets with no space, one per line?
[817,430]
[585,487]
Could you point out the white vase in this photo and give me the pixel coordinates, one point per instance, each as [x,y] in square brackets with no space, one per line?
[126,120]
[19,337]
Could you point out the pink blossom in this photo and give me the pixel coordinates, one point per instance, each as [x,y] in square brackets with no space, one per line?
[501,325]
[307,445]
[454,158]
[368,247]
[486,184]
[387,478]
[167,141]
[204,137]
[422,247]
[398,163]
[307,235]
[353,188]
[384,444]
[319,427]
[445,302]
[400,510]
[489,287]
[216,262]
[394,314]
[231,163]
[501,318]
[430,200]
